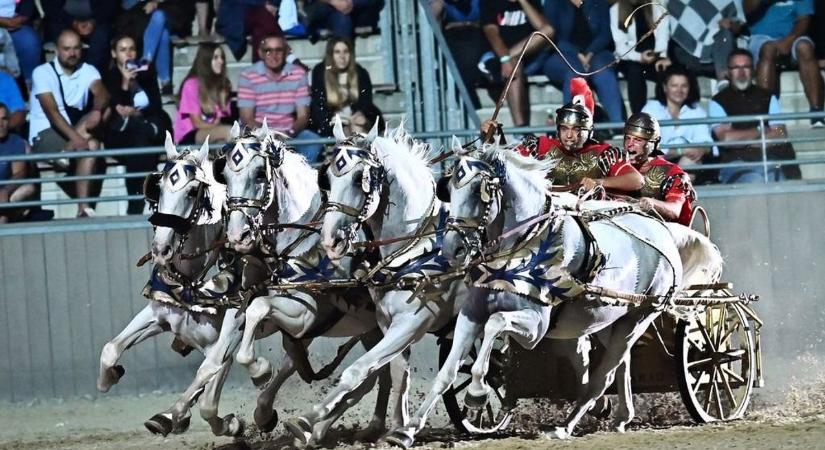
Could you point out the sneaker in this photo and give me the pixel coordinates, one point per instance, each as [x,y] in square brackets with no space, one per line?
[818,123]
[166,89]
[61,163]
[86,212]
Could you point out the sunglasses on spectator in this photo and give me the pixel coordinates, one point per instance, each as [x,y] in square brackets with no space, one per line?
[740,67]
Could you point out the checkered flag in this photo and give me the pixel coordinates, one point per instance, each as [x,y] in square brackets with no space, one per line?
[696,22]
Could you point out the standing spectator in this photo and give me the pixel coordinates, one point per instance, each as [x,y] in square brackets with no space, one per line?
[583,36]
[462,31]
[17,20]
[339,86]
[650,57]
[742,97]
[779,30]
[677,97]
[146,23]
[204,98]
[136,112]
[704,34]
[277,90]
[13,145]
[12,99]
[238,19]
[63,115]
[341,17]
[507,26]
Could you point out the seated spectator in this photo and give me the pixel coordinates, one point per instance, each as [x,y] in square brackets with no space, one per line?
[507,26]
[204,99]
[742,97]
[650,57]
[92,20]
[17,20]
[63,114]
[13,145]
[341,17]
[238,19]
[583,36]
[147,25]
[339,86]
[12,98]
[704,34]
[276,89]
[677,97]
[778,31]
[462,31]
[136,115]
[818,33]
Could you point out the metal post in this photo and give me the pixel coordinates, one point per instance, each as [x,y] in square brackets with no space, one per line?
[430,88]
[388,43]
[764,148]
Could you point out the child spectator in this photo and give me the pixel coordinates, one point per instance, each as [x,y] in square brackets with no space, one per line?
[339,86]
[204,98]
[136,113]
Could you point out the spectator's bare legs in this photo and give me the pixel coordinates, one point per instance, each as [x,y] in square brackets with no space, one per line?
[809,73]
[202,14]
[85,167]
[518,102]
[766,73]
[218,133]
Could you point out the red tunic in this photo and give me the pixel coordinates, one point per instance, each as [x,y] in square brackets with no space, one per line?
[667,181]
[593,160]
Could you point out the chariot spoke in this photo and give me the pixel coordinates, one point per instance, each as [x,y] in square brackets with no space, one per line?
[733,375]
[498,394]
[720,327]
[491,414]
[728,389]
[693,365]
[463,385]
[707,338]
[731,330]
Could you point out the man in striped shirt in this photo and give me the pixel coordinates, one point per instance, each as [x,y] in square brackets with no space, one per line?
[278,90]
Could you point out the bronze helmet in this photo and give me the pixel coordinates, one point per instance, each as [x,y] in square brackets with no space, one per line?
[643,125]
[575,115]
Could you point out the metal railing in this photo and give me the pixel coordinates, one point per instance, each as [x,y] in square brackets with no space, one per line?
[438,136]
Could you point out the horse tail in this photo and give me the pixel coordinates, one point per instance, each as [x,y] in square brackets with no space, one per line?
[701,259]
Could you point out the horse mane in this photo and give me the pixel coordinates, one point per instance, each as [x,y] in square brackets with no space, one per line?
[296,186]
[517,166]
[405,159]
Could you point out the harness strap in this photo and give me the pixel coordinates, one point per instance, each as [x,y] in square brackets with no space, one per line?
[593,257]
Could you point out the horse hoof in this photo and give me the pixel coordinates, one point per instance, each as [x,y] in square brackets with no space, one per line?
[398,438]
[181,426]
[120,371]
[266,423]
[159,424]
[475,401]
[558,433]
[370,433]
[234,426]
[300,428]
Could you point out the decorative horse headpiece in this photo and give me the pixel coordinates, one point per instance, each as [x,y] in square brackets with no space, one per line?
[349,153]
[181,170]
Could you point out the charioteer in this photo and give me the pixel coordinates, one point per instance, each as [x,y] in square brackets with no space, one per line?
[582,160]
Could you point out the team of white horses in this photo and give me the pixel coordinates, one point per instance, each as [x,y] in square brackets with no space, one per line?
[261,201]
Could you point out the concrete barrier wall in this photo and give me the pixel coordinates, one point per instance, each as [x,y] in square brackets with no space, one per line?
[66,292]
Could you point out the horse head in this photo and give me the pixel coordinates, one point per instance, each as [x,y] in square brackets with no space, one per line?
[356,179]
[248,167]
[180,198]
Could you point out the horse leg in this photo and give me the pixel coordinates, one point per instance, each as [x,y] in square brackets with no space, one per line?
[525,326]
[208,405]
[402,332]
[143,326]
[214,362]
[625,332]
[259,368]
[624,410]
[266,418]
[465,333]
[387,385]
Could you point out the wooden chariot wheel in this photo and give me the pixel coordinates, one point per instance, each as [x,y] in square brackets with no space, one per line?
[716,357]
[496,415]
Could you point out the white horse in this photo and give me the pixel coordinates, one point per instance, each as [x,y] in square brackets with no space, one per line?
[517,294]
[187,221]
[269,184]
[385,184]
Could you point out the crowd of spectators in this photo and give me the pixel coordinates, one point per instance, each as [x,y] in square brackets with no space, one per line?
[111,74]
[696,38]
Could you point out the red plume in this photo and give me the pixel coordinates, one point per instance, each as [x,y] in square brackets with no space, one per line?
[581,94]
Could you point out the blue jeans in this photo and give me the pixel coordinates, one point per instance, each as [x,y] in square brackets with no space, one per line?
[605,82]
[312,152]
[157,46]
[321,15]
[27,45]
[741,175]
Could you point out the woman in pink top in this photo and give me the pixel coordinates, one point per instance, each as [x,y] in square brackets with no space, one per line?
[204,99]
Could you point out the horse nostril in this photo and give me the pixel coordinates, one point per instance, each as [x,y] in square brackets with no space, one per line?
[166,251]
[246,235]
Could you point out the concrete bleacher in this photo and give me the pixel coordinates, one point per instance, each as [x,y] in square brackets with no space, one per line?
[370,54]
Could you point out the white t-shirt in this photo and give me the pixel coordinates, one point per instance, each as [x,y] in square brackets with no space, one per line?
[680,134]
[75,89]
